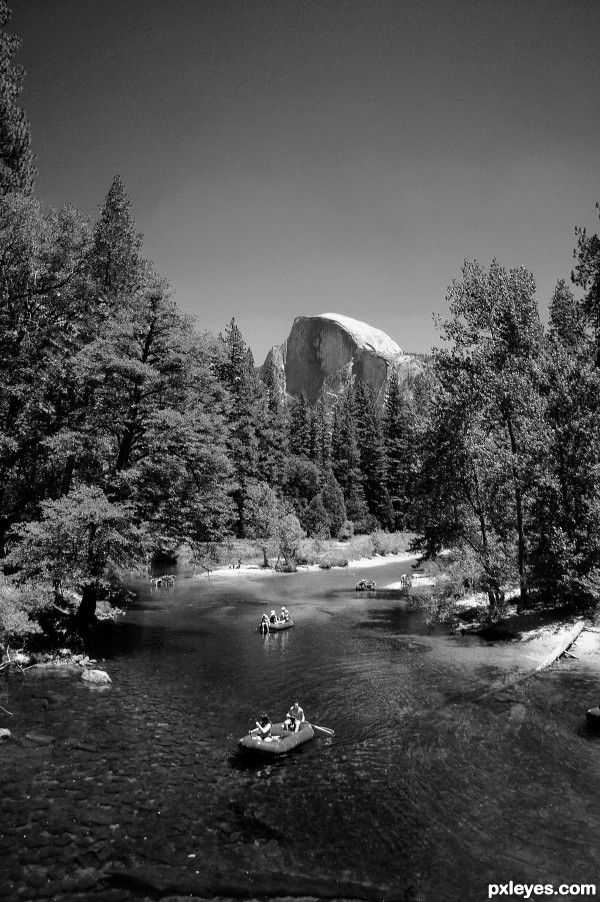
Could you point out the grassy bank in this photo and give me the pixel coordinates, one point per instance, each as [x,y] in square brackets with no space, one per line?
[324,553]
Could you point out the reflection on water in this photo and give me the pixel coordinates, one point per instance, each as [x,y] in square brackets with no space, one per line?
[424,786]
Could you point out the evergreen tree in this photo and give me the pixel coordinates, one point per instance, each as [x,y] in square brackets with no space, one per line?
[333,502]
[372,455]
[155,414]
[238,376]
[301,484]
[44,312]
[399,444]
[272,429]
[300,428]
[345,458]
[116,263]
[320,439]
[587,276]
[17,171]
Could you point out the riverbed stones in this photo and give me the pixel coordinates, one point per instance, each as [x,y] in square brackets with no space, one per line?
[98,677]
[39,738]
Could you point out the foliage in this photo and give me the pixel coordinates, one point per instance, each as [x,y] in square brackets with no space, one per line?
[316,519]
[80,539]
[17,170]
[333,502]
[485,443]
[20,602]
[289,535]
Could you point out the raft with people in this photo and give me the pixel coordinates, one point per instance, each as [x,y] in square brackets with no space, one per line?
[280,740]
[283,622]
[278,625]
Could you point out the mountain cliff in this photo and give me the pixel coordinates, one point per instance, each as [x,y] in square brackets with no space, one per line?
[327,350]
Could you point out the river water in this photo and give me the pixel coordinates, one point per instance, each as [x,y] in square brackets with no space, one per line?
[426,790]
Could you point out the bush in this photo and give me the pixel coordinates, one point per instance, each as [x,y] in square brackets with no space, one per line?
[360,548]
[19,604]
[346,531]
[388,542]
[332,561]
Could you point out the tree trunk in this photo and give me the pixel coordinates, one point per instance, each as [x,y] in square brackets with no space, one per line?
[86,611]
[519,512]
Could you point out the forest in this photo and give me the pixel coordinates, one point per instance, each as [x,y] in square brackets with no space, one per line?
[127,432]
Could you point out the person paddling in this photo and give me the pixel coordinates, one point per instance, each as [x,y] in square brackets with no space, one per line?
[297,713]
[263,727]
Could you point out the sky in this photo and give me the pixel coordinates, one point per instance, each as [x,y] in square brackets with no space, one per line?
[297,157]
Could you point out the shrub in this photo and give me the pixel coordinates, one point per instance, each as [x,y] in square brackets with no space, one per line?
[346,531]
[360,548]
[390,542]
[333,561]
[19,604]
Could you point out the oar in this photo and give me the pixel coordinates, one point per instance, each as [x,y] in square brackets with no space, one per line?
[323,729]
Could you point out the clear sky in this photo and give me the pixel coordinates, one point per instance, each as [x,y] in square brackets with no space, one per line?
[296,157]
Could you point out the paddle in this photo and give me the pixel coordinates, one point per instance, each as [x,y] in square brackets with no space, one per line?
[323,729]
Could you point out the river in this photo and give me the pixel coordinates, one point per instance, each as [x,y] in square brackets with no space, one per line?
[426,790]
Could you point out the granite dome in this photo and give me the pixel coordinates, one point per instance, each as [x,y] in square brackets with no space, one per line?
[325,351]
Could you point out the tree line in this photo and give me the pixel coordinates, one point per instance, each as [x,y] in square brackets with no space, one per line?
[125,429]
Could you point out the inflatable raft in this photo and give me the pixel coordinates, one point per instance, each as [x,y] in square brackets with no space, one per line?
[280,625]
[280,742]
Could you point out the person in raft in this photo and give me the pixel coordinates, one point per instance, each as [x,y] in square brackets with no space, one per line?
[264,623]
[285,614]
[297,713]
[263,727]
[273,617]
[290,723]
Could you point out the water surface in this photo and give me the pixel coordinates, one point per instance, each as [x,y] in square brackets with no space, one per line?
[425,787]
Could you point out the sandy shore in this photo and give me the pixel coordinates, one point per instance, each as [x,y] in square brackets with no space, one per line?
[246,570]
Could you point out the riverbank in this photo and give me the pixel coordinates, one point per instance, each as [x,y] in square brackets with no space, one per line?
[256,570]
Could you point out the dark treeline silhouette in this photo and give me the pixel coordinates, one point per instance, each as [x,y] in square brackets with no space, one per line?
[125,430]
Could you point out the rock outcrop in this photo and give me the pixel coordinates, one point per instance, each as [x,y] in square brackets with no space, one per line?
[327,350]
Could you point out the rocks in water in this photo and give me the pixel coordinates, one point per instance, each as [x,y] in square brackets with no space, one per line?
[165,882]
[39,738]
[366,585]
[98,677]
[4,734]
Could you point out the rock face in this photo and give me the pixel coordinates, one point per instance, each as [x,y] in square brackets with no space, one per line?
[327,350]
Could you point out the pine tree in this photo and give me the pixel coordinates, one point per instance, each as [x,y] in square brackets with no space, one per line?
[238,376]
[345,457]
[17,171]
[333,502]
[372,455]
[399,445]
[272,431]
[300,419]
[320,437]
[587,276]
[116,253]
